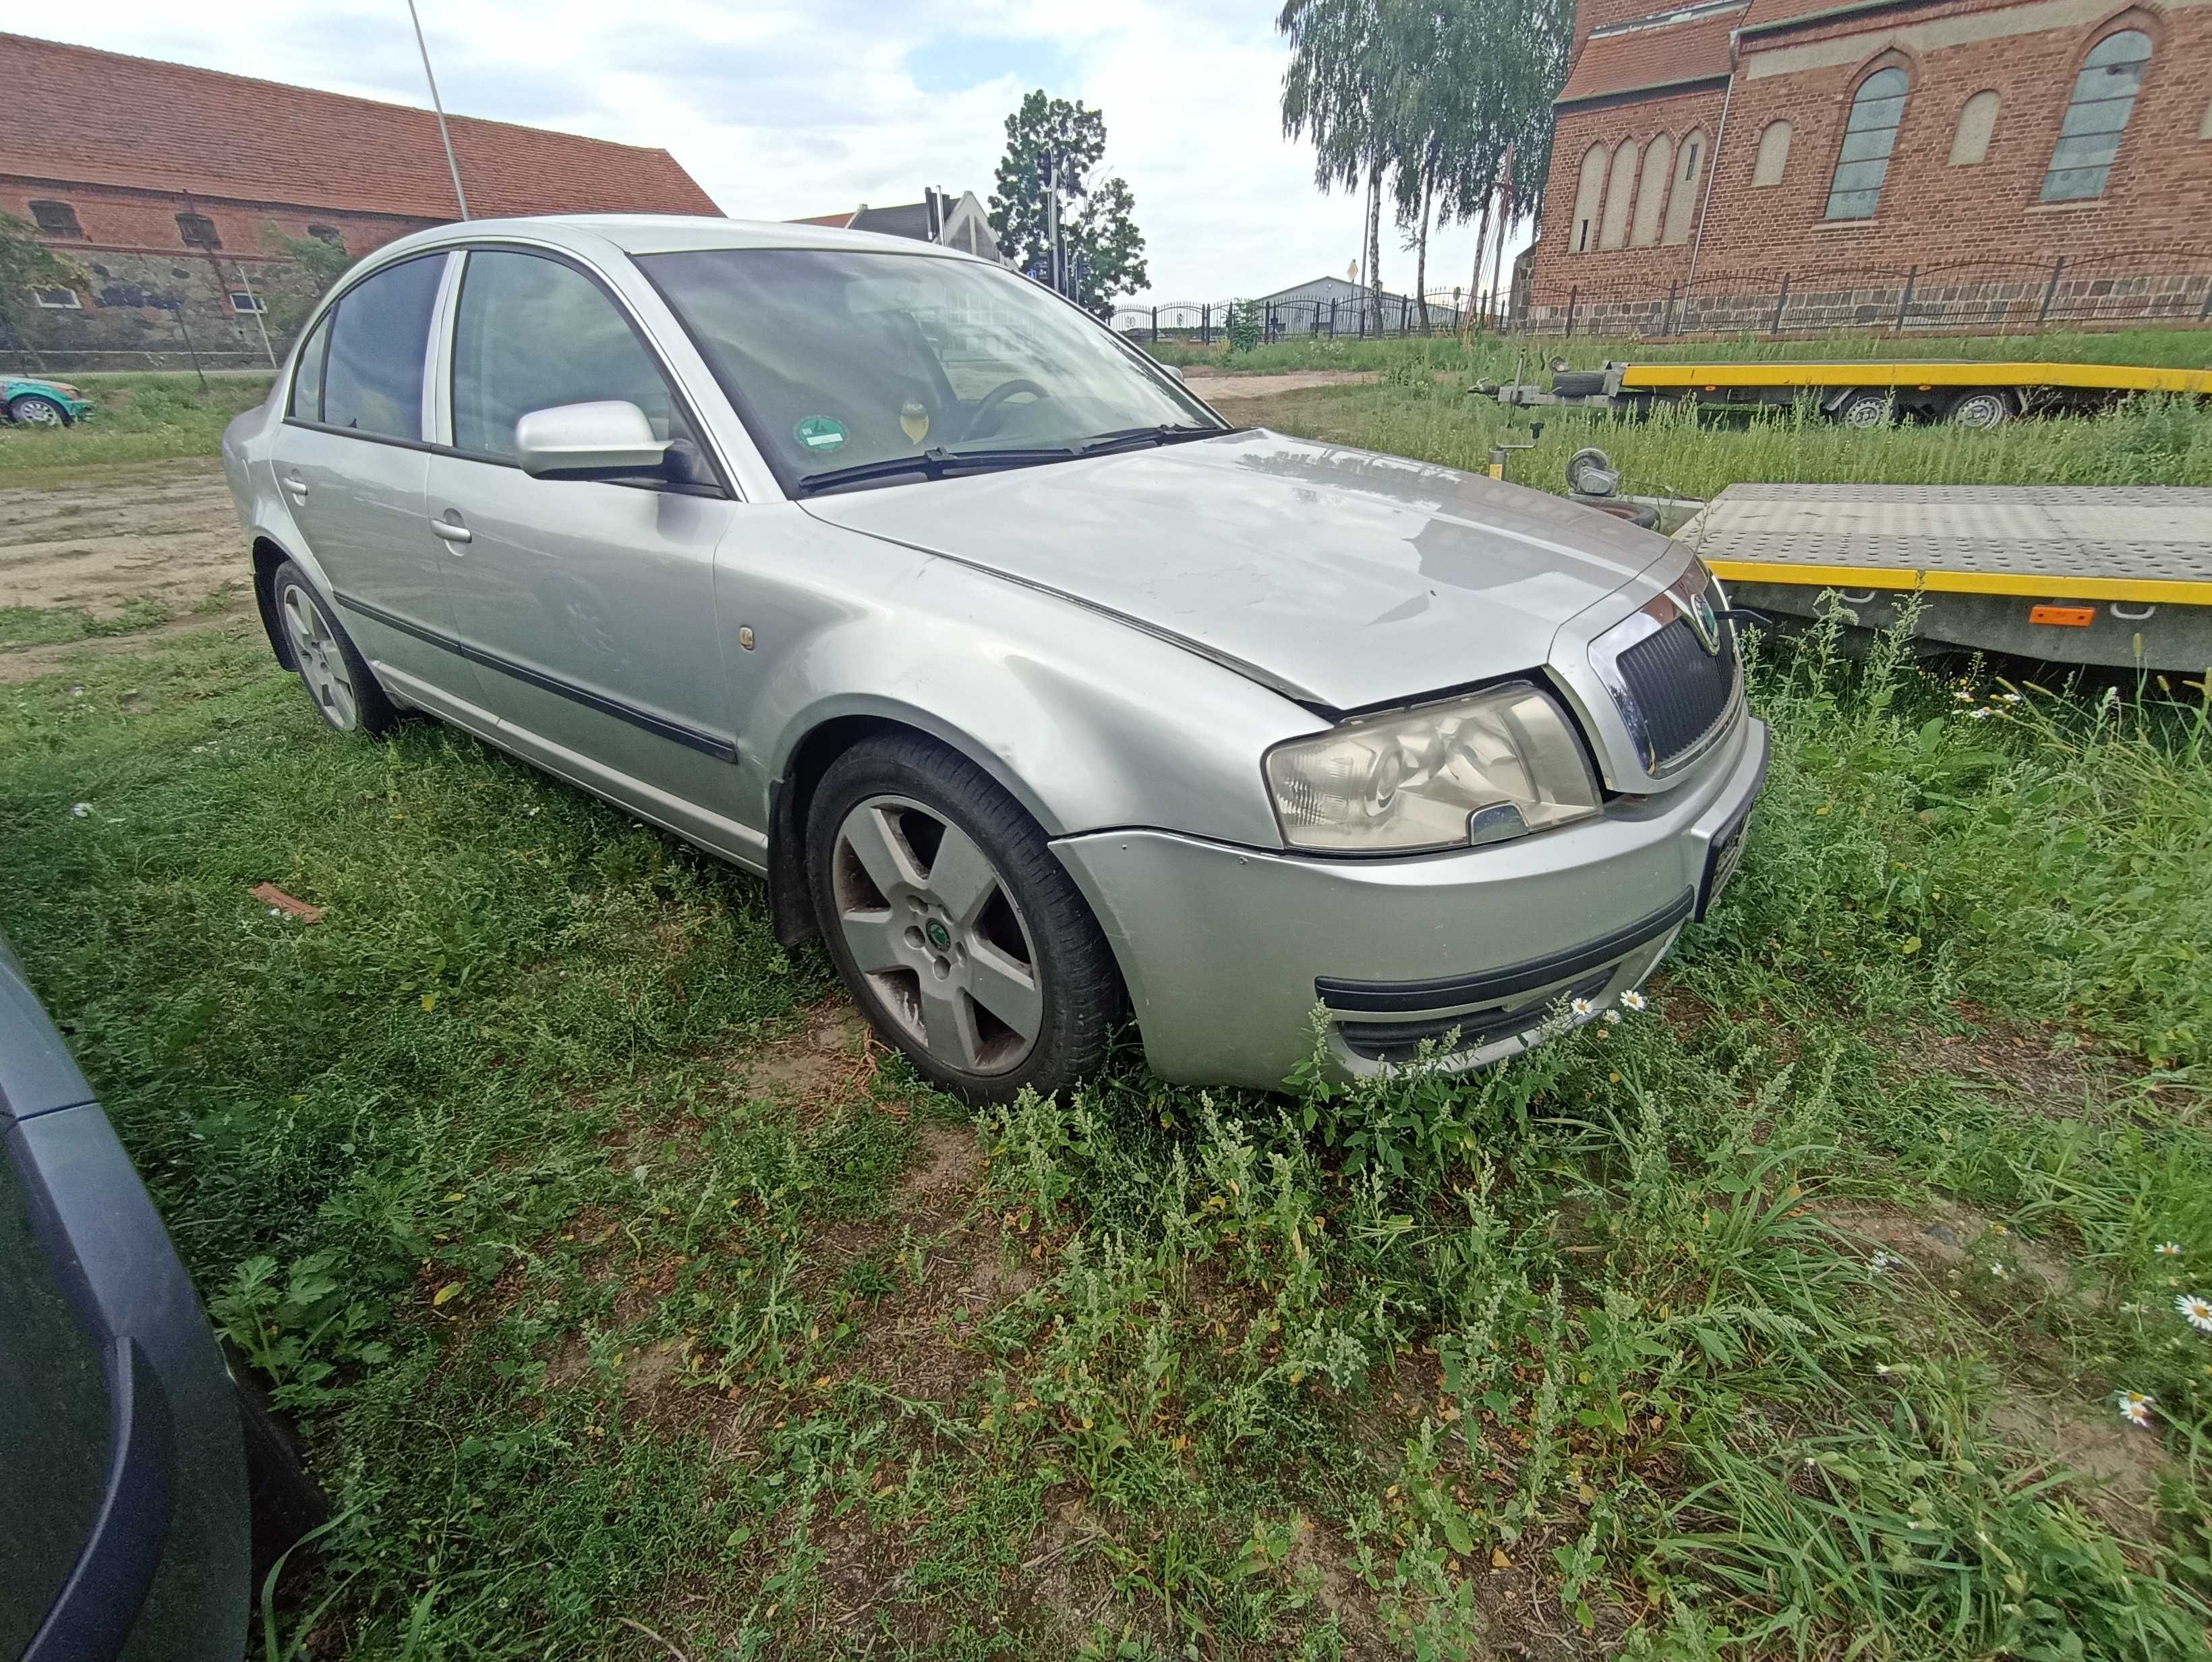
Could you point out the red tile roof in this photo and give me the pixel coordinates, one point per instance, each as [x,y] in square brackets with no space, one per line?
[101,117]
[1648,60]
[834,222]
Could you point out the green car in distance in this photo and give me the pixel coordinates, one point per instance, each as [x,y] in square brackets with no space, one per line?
[34,401]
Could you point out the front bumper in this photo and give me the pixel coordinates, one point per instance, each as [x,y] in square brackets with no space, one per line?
[1227,950]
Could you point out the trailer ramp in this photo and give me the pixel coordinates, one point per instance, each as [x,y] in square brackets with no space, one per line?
[2115,575]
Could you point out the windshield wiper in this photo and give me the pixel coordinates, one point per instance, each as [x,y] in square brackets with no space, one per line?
[1129,438]
[932,463]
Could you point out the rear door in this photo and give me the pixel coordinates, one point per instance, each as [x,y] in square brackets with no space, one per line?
[351,462]
[588,605]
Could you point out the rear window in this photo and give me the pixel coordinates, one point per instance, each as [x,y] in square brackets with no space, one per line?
[308,381]
[380,332]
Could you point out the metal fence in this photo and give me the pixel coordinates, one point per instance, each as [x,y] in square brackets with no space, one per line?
[1982,296]
[1352,317]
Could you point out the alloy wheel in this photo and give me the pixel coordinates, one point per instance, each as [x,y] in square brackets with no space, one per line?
[34,412]
[933,927]
[322,663]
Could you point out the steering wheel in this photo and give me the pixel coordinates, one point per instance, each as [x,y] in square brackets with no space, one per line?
[990,403]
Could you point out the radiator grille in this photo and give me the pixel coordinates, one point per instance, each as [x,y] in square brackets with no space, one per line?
[1681,689]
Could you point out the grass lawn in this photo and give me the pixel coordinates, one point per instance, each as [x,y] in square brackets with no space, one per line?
[632,1304]
[141,418]
[1496,356]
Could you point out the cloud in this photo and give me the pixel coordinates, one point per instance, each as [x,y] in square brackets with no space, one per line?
[780,108]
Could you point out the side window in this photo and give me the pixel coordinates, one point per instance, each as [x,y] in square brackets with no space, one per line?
[373,379]
[307,382]
[532,333]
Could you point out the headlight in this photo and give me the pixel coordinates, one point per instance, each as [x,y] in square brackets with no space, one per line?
[1477,770]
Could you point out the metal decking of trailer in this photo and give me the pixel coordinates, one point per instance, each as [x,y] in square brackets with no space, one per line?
[2115,575]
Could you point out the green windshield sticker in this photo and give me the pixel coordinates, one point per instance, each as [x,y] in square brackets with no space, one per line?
[819,432]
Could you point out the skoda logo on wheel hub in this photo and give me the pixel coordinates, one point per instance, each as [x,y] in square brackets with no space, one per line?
[939,936]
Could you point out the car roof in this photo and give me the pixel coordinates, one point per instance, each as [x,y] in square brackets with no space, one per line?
[661,234]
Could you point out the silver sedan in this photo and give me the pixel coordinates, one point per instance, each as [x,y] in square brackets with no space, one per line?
[1043,695]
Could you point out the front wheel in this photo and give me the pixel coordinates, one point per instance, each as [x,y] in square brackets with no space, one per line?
[962,939]
[32,410]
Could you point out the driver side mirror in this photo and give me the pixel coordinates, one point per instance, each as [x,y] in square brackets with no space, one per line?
[609,439]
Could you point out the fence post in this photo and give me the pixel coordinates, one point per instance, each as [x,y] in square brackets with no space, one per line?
[1574,293]
[2050,290]
[1404,302]
[1904,300]
[1459,317]
[1332,319]
[1206,325]
[1666,317]
[1271,320]
[1156,326]
[1781,305]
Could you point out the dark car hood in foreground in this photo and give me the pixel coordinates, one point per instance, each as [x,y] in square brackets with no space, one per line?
[1345,578]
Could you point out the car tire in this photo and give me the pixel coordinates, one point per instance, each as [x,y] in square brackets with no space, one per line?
[339,684]
[962,939]
[1868,408]
[1980,407]
[35,410]
[1578,383]
[284,1499]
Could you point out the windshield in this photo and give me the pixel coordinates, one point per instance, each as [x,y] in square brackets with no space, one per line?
[840,359]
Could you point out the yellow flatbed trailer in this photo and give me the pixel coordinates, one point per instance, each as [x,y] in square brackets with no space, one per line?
[2113,575]
[1869,392]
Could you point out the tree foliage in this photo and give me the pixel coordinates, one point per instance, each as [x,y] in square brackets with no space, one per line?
[26,263]
[1098,222]
[1423,97]
[316,264]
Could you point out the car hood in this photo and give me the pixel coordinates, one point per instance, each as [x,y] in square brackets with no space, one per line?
[1342,577]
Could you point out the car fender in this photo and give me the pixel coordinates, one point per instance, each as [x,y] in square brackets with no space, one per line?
[1087,721]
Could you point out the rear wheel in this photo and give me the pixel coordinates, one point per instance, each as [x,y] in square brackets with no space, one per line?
[1982,407]
[962,939]
[345,692]
[1869,408]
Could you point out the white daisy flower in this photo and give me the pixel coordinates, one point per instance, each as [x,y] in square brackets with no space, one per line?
[1613,1018]
[1963,697]
[1581,1007]
[1998,1271]
[1634,1000]
[2012,697]
[2167,1249]
[1980,713]
[2197,1310]
[78,810]
[2134,1407]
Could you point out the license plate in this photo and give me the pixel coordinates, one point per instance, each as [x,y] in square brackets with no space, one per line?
[1721,864]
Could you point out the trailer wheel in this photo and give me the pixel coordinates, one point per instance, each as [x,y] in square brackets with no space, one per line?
[1578,383]
[1982,407]
[1872,407]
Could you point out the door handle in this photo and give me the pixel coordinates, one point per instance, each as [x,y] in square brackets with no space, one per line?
[452,530]
[297,486]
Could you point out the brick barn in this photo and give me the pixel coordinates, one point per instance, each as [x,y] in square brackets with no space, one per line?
[170,187]
[1797,164]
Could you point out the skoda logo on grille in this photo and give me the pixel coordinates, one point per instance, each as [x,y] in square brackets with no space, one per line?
[1698,610]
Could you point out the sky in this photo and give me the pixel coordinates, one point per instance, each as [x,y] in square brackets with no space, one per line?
[781,108]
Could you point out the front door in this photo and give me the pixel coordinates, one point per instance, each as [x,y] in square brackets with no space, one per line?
[588,605]
[350,462]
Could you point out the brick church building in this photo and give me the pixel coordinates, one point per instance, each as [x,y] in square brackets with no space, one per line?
[171,190]
[1804,164]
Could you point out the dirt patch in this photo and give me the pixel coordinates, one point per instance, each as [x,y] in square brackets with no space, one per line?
[832,1057]
[21,664]
[952,1165]
[158,530]
[2039,1069]
[1216,388]
[2120,1465]
[1946,1235]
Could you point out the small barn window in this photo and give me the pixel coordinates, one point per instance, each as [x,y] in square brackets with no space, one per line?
[2104,98]
[197,231]
[58,300]
[56,219]
[1773,157]
[1969,144]
[1652,191]
[326,233]
[241,301]
[1870,136]
[1620,192]
[1682,201]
